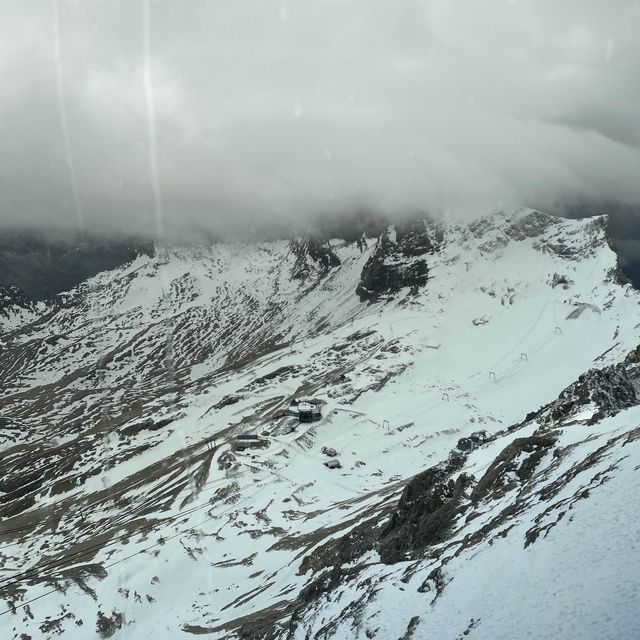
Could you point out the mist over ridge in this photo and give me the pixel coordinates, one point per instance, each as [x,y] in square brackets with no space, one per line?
[160,119]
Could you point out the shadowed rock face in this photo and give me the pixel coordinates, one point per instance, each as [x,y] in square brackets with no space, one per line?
[609,390]
[312,255]
[425,513]
[419,237]
[397,264]
[42,267]
[515,464]
[382,274]
[11,297]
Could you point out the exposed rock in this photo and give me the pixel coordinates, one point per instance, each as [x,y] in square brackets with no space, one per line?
[531,225]
[281,373]
[515,464]
[411,628]
[330,560]
[425,512]
[107,626]
[312,255]
[145,425]
[560,279]
[335,553]
[610,390]
[577,243]
[226,460]
[482,226]
[435,583]
[397,264]
[11,297]
[227,401]
[419,237]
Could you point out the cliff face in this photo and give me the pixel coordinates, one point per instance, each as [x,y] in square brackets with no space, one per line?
[399,260]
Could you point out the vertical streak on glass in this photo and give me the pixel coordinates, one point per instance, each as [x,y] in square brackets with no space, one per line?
[151,121]
[62,110]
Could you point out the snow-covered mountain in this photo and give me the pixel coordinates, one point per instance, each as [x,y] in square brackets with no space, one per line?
[129,510]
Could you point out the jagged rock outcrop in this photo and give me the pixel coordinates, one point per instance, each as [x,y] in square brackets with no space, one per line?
[312,255]
[608,390]
[399,262]
[425,513]
[13,298]
[514,465]
[531,225]
[419,237]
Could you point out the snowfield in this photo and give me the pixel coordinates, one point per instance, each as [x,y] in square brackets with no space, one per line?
[126,510]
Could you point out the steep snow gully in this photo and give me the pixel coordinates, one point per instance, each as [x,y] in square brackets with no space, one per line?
[466,463]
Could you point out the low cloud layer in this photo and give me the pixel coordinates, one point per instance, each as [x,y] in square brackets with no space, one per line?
[265,112]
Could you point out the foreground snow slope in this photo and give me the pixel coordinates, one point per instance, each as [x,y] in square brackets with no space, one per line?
[554,555]
[126,512]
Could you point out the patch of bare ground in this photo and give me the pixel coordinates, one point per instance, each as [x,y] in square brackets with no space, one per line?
[265,624]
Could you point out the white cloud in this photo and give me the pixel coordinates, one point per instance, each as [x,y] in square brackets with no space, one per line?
[414,104]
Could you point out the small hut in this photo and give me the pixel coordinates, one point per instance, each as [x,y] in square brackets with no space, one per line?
[249,441]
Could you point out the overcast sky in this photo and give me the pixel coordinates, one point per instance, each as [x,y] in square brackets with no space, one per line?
[260,110]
